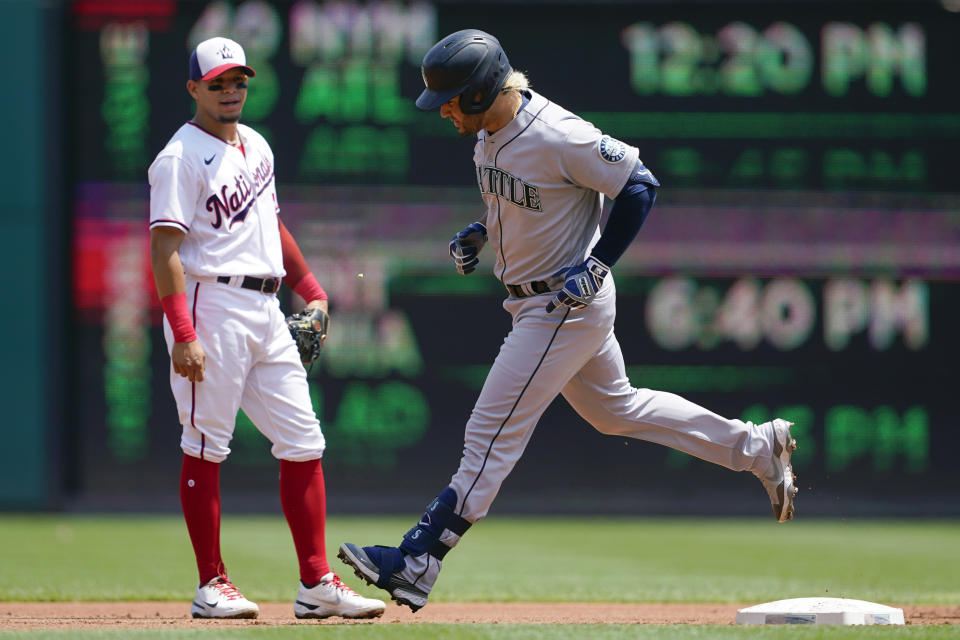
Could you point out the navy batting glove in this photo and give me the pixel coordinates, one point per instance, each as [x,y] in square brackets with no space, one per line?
[581,284]
[465,246]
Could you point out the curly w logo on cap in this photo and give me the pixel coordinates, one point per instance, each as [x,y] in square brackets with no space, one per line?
[216,55]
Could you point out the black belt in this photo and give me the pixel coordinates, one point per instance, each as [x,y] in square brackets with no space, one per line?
[533,288]
[264,285]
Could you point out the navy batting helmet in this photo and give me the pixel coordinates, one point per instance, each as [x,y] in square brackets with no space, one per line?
[465,63]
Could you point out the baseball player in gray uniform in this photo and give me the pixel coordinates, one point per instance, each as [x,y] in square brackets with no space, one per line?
[219,252]
[543,173]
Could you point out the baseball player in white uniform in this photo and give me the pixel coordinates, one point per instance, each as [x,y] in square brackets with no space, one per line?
[543,173]
[219,252]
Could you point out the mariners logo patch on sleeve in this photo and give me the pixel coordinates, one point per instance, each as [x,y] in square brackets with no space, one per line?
[611,149]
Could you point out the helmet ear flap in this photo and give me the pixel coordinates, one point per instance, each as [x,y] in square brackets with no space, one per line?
[473,105]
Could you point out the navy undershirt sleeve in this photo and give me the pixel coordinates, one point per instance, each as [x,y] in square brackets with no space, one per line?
[525,100]
[629,211]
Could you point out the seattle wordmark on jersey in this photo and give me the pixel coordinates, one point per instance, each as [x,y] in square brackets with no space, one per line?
[503,184]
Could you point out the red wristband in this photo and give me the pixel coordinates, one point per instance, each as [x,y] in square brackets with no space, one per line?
[178,315]
[309,289]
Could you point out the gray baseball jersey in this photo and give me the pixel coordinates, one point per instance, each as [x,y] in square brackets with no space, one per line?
[543,178]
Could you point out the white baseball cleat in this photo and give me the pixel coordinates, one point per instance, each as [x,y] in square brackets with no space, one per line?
[220,599]
[779,480]
[330,597]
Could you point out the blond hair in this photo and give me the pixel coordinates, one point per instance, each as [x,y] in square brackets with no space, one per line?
[516,81]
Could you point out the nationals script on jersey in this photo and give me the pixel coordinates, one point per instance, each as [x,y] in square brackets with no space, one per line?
[225,201]
[535,221]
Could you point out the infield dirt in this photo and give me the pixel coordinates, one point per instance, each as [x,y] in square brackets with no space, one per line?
[172,615]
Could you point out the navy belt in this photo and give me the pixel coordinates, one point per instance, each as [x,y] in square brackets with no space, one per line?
[527,289]
[264,285]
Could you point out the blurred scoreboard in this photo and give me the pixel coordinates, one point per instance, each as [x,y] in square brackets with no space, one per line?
[790,95]
[803,258]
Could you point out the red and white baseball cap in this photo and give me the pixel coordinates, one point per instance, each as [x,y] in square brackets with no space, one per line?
[216,55]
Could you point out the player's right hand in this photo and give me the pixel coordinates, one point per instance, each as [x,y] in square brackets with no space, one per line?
[189,360]
[466,245]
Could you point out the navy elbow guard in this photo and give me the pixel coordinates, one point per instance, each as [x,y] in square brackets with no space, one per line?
[640,175]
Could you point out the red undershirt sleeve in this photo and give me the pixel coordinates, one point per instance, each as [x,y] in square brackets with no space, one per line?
[299,278]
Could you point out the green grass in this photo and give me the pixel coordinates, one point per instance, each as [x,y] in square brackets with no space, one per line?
[587,559]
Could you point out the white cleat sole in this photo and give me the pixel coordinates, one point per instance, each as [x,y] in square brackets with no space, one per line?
[364,569]
[203,612]
[304,611]
[783,447]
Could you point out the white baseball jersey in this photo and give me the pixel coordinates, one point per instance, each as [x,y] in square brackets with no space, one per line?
[543,178]
[226,199]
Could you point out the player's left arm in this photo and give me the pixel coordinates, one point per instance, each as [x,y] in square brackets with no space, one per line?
[629,212]
[299,277]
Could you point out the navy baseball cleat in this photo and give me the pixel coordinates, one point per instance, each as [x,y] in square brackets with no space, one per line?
[779,479]
[385,567]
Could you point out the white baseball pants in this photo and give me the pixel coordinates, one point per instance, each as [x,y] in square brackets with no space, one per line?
[251,363]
